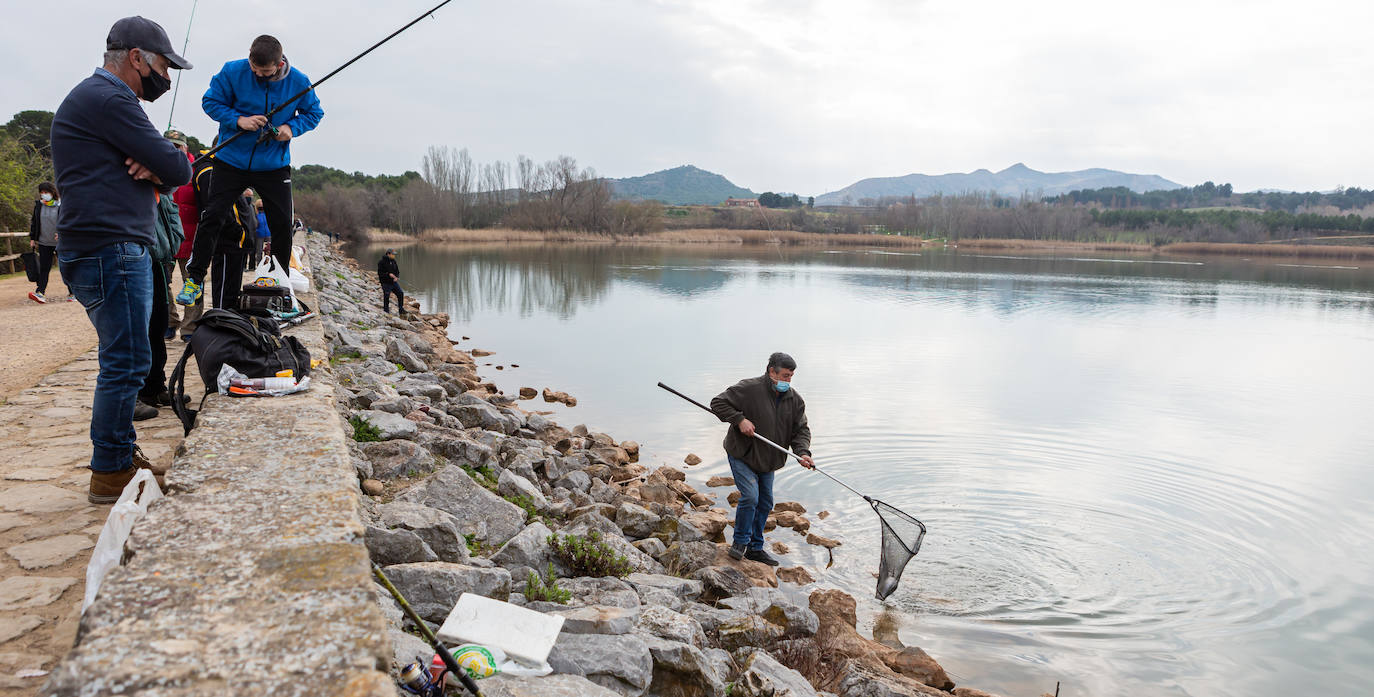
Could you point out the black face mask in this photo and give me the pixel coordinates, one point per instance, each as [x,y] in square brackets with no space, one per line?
[154,84]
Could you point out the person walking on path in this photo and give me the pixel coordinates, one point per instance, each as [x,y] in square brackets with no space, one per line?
[262,236]
[239,98]
[389,273]
[768,406]
[43,237]
[112,163]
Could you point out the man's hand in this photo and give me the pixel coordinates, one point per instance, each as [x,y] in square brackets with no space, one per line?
[33,244]
[252,123]
[393,276]
[807,462]
[141,173]
[283,133]
[746,427]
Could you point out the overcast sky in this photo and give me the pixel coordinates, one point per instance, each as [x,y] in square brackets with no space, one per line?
[805,96]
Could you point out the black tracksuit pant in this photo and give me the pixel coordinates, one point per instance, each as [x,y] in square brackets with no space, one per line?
[46,255]
[227,184]
[156,381]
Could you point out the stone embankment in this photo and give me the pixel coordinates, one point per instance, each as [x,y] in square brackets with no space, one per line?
[468,493]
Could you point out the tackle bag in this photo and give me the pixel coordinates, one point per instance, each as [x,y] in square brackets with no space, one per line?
[252,345]
[263,301]
[268,275]
[30,260]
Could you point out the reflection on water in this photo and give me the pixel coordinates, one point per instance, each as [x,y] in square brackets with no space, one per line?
[1141,475]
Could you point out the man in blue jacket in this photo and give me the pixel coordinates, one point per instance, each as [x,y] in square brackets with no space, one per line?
[240,96]
[111,162]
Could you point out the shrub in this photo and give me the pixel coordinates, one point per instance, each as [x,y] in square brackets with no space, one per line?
[589,556]
[364,432]
[546,588]
[524,502]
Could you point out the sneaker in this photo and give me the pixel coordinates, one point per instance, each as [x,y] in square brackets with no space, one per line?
[737,552]
[70,299]
[143,412]
[189,294]
[107,486]
[760,556]
[37,297]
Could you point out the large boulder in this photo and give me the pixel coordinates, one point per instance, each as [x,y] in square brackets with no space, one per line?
[387,547]
[747,631]
[600,591]
[599,619]
[684,588]
[480,415]
[859,679]
[639,561]
[398,458]
[398,351]
[433,588]
[776,607]
[867,672]
[479,512]
[635,521]
[527,550]
[687,557]
[711,522]
[683,670]
[763,676]
[620,662]
[389,426]
[454,445]
[556,685]
[914,663]
[512,485]
[674,626]
[439,530]
[720,582]
[758,573]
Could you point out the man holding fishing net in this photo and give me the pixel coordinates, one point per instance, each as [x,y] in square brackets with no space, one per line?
[768,406]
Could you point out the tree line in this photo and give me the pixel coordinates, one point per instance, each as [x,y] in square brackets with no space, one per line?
[1209,194]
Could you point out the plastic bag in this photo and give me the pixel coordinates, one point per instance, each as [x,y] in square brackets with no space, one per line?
[483,662]
[269,274]
[300,283]
[269,387]
[109,549]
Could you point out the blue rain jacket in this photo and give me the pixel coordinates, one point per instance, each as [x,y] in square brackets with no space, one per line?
[235,91]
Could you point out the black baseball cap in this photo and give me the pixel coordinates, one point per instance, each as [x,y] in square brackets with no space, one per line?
[144,34]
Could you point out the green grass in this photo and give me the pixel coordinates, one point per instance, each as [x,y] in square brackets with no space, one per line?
[364,432]
[589,556]
[546,588]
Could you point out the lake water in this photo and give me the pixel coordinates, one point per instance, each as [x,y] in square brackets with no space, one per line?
[1141,475]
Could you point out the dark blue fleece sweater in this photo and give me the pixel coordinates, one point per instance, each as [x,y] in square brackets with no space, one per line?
[97,127]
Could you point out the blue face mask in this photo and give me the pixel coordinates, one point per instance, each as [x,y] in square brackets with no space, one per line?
[782,386]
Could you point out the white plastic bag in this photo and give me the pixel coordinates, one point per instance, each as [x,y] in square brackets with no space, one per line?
[483,662]
[270,274]
[300,283]
[109,549]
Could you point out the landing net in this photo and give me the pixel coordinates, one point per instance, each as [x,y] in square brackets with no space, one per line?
[902,535]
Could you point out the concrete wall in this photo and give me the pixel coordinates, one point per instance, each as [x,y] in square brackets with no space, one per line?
[251,578]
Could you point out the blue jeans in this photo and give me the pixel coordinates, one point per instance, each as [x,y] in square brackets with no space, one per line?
[115,285]
[755,503]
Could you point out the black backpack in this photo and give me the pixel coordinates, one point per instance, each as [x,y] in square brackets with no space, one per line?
[251,345]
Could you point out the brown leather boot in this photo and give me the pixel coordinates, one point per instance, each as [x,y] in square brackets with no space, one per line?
[107,486]
[142,462]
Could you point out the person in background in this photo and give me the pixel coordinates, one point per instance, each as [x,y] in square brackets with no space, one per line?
[389,273]
[239,98]
[263,236]
[188,209]
[173,319]
[766,405]
[43,237]
[167,240]
[112,162]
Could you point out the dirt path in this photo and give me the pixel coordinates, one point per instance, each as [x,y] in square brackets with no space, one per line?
[36,339]
[47,528]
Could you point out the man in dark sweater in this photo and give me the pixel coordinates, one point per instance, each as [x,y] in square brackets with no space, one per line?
[389,273]
[112,163]
[766,405]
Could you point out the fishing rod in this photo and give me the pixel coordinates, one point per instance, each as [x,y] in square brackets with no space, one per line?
[444,654]
[184,44]
[270,130]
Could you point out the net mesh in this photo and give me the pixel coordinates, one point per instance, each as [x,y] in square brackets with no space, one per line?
[902,535]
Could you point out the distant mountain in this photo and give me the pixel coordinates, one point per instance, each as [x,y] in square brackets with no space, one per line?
[679,186]
[1012,182]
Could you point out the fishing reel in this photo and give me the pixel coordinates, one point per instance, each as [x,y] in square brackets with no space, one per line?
[425,681]
[266,133]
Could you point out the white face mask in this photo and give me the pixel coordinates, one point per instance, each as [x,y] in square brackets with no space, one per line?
[45,197]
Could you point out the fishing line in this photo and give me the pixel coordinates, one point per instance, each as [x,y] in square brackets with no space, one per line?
[184,44]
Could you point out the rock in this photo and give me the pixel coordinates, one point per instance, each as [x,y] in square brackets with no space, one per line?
[763,676]
[373,487]
[857,679]
[602,492]
[823,515]
[686,532]
[789,506]
[389,426]
[481,415]
[651,546]
[916,664]
[759,574]
[776,607]
[631,448]
[19,592]
[433,588]
[512,485]
[619,662]
[478,511]
[398,458]
[747,631]
[795,574]
[600,591]
[576,480]
[687,557]
[970,692]
[387,547]
[612,538]
[51,551]
[674,626]
[398,351]
[528,549]
[439,530]
[692,460]
[635,521]
[709,617]
[609,454]
[733,498]
[671,474]
[455,446]
[658,493]
[431,391]
[480,353]
[556,685]
[683,670]
[781,548]
[711,523]
[528,393]
[721,582]
[599,619]
[720,481]
[796,521]
[825,542]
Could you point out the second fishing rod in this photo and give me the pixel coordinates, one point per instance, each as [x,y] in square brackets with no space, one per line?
[269,130]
